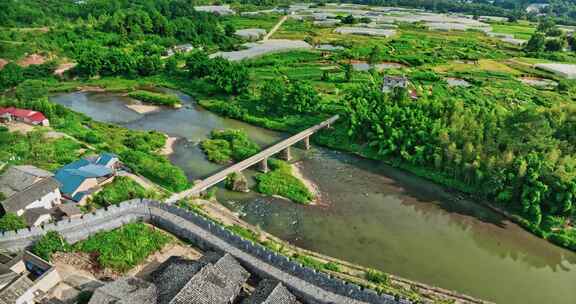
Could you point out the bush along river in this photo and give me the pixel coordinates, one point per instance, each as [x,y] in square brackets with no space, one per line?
[369,213]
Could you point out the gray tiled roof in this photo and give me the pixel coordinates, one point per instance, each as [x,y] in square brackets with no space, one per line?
[32,215]
[129,290]
[69,209]
[271,292]
[18,178]
[11,293]
[214,284]
[173,275]
[34,192]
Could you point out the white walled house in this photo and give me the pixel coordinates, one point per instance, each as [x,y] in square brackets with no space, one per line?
[29,192]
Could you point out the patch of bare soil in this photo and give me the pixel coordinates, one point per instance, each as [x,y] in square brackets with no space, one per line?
[16,126]
[62,68]
[32,59]
[86,263]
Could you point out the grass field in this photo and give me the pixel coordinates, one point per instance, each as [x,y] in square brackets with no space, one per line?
[243,22]
[520,31]
[487,65]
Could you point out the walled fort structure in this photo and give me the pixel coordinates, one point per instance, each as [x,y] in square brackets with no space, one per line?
[310,285]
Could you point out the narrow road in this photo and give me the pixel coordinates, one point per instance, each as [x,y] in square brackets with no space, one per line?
[275,28]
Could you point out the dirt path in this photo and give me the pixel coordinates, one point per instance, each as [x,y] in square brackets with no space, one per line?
[275,28]
[148,185]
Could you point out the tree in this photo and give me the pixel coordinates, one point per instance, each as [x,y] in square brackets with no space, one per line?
[230,77]
[31,90]
[348,71]
[229,30]
[149,65]
[171,65]
[349,19]
[303,98]
[198,64]
[374,56]
[536,43]
[554,32]
[11,221]
[554,45]
[11,75]
[545,25]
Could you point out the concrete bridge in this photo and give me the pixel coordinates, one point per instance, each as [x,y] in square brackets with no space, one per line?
[261,158]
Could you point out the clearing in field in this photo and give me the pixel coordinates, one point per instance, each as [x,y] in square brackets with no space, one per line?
[487,65]
[520,31]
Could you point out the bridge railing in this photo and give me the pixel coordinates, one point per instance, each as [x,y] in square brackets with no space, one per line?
[249,162]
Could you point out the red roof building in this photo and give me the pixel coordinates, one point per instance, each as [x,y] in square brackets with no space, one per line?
[24,115]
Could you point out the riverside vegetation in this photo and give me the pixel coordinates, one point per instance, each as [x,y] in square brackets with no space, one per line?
[224,146]
[156,98]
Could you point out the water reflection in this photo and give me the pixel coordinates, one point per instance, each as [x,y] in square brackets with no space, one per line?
[371,214]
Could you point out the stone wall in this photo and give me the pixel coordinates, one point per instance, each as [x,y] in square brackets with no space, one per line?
[207,235]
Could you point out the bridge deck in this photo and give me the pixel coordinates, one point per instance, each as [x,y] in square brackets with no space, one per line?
[268,152]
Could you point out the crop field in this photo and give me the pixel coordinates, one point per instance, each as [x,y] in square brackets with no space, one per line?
[487,65]
[259,21]
[520,31]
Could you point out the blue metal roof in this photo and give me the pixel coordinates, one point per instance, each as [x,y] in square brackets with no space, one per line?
[72,175]
[105,158]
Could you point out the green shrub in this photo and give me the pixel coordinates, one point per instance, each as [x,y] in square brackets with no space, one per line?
[244,232]
[230,144]
[125,247]
[121,189]
[377,277]
[332,267]
[280,181]
[11,221]
[217,150]
[309,261]
[156,98]
[50,243]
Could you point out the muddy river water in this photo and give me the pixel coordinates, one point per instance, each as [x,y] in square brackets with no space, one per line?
[369,213]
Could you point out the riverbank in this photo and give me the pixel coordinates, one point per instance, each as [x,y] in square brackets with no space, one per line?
[169,146]
[309,184]
[338,140]
[341,269]
[143,109]
[374,213]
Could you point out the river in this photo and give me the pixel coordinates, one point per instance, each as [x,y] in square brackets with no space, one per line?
[370,214]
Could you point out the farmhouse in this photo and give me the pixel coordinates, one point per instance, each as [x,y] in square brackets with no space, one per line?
[25,278]
[220,10]
[391,82]
[269,292]
[30,192]
[81,178]
[214,280]
[23,115]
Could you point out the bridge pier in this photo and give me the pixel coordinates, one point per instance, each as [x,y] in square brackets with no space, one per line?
[286,154]
[264,165]
[306,143]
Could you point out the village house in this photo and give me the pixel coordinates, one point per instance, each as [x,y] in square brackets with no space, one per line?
[179,49]
[83,177]
[23,115]
[391,82]
[29,192]
[25,278]
[179,280]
